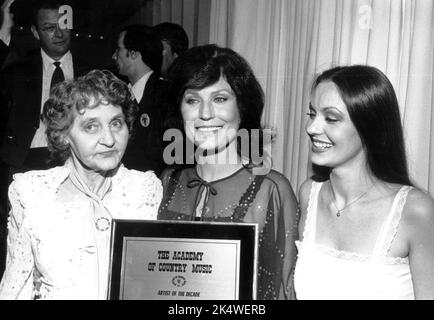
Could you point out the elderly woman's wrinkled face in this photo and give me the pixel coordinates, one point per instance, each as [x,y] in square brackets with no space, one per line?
[98,137]
[211,116]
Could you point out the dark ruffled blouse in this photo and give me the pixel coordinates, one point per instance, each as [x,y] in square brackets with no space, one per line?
[267,200]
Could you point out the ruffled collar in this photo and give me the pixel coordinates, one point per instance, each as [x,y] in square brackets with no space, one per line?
[60,174]
[52,179]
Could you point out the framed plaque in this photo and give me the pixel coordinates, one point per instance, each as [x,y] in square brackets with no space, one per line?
[174,260]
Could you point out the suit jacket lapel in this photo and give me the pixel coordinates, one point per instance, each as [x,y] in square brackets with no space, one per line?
[33,92]
[148,92]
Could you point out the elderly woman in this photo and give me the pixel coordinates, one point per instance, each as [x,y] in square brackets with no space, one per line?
[59,226]
[216,96]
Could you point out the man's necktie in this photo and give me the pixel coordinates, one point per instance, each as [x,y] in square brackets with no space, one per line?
[57,75]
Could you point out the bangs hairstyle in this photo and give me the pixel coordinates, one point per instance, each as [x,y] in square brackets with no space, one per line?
[202,66]
[87,92]
[373,108]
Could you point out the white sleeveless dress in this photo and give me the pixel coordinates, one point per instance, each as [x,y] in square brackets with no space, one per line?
[325,273]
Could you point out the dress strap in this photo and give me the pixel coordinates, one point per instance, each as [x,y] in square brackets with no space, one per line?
[311,214]
[390,226]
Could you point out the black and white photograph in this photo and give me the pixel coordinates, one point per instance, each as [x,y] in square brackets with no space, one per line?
[141,139]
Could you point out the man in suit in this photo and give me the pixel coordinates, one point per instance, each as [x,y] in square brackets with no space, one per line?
[24,88]
[138,57]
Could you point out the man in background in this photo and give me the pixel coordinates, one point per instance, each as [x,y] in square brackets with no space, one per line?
[174,40]
[138,57]
[24,88]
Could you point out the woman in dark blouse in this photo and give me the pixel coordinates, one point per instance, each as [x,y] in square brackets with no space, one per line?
[219,102]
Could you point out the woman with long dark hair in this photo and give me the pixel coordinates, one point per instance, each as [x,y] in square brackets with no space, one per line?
[367,231]
[214,97]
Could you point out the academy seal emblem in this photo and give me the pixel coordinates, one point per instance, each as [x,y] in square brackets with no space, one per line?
[179,281]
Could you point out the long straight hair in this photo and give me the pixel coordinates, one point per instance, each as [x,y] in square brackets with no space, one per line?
[373,108]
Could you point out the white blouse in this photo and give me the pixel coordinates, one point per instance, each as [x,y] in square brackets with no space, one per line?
[55,250]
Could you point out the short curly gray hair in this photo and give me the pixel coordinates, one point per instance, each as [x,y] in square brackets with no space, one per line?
[88,91]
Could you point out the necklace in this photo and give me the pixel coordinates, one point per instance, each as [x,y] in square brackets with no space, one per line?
[339,211]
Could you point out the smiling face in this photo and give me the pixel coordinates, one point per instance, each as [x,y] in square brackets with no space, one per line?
[53,40]
[335,140]
[98,138]
[211,116]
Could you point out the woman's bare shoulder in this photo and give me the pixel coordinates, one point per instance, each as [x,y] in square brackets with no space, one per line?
[419,209]
[304,191]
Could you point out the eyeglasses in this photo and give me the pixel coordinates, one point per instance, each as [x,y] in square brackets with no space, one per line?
[52,28]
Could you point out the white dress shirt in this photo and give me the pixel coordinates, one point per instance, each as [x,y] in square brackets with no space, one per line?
[138,88]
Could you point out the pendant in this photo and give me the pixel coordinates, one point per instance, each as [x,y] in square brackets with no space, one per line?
[102,223]
[338,213]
